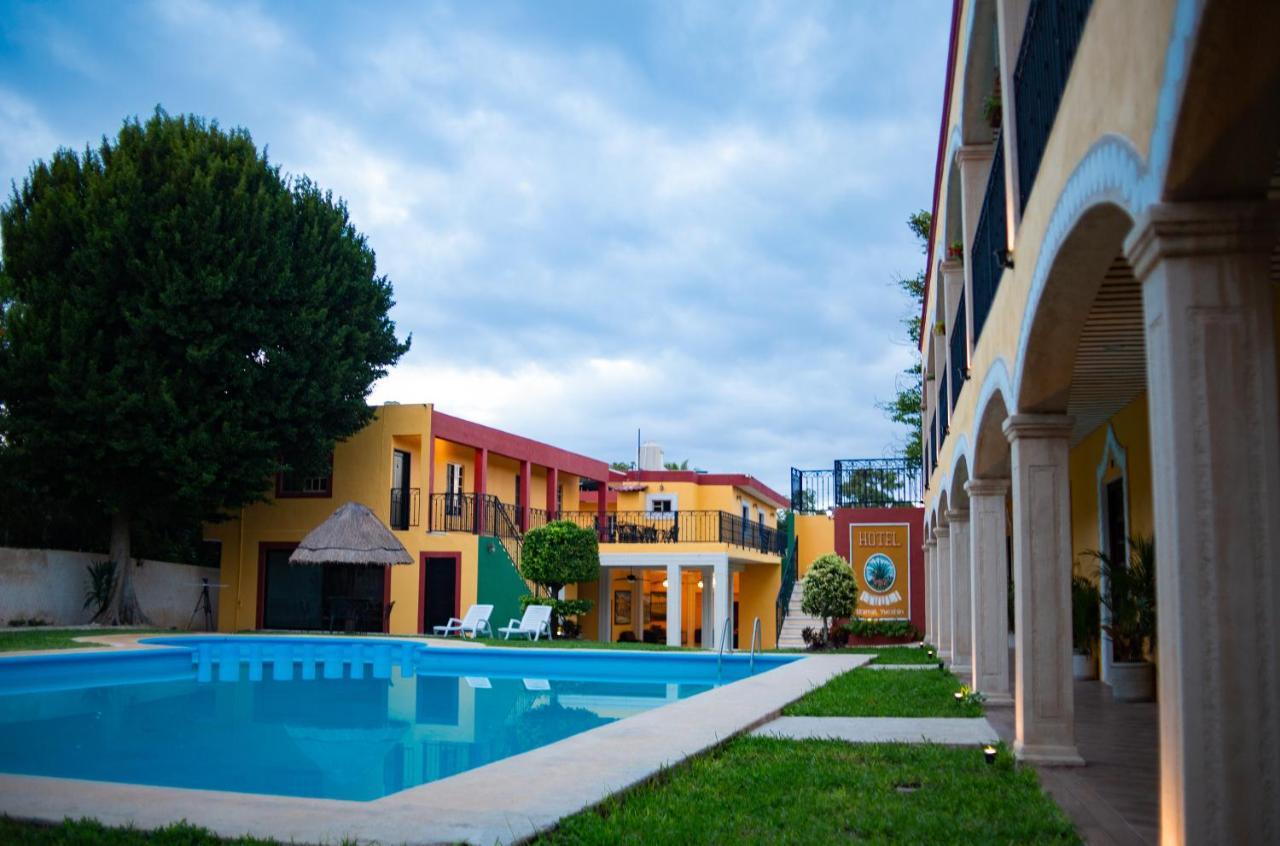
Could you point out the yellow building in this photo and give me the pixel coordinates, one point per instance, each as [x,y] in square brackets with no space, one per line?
[697,530]
[1101,364]
[460,497]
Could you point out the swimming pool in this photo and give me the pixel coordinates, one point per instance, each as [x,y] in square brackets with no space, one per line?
[334,718]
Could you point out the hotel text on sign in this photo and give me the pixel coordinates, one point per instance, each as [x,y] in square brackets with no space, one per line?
[881,560]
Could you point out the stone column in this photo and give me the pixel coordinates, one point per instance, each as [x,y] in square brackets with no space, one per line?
[930,594]
[989,560]
[722,599]
[605,618]
[708,610]
[961,596]
[942,552]
[1211,377]
[1044,713]
[675,596]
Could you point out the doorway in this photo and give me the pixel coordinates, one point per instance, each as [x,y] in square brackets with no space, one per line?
[440,584]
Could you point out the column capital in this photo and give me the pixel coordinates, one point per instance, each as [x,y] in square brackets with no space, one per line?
[958,515]
[942,532]
[930,542]
[1037,426]
[951,266]
[975,152]
[1179,230]
[987,487]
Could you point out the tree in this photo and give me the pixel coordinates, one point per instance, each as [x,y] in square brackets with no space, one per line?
[558,554]
[904,408]
[622,466]
[179,322]
[830,590]
[671,465]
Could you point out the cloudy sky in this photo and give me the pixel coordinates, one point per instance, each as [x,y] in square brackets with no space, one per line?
[598,216]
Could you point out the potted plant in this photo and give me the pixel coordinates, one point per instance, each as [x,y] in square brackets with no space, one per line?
[955,250]
[1084,626]
[940,327]
[1130,598]
[991,109]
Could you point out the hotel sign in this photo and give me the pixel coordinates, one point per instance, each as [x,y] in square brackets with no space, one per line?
[881,559]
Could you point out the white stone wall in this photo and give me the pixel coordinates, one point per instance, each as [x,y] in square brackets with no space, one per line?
[50,585]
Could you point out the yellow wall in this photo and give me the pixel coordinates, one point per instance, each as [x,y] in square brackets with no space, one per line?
[1133,435]
[815,535]
[691,496]
[758,597]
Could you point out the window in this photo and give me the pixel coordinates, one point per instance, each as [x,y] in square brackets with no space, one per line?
[292,485]
[663,505]
[453,477]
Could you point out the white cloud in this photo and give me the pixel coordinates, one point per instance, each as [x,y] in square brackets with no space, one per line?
[24,137]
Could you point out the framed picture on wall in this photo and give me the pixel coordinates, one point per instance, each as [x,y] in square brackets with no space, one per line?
[622,607]
[657,602]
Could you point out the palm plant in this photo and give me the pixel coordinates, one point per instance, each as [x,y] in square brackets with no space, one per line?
[102,576]
[1130,597]
[1084,615]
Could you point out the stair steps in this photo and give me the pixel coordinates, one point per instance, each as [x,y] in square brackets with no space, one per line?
[797,621]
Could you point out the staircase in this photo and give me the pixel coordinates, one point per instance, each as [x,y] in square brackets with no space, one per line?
[796,622]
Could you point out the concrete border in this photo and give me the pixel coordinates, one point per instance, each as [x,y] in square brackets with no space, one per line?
[950,731]
[503,802]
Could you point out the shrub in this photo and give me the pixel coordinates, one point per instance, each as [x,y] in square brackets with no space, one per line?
[561,610]
[1131,599]
[898,629]
[830,590]
[102,577]
[1084,615]
[558,554]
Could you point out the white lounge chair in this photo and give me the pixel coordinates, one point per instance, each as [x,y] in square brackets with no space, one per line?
[535,623]
[475,622]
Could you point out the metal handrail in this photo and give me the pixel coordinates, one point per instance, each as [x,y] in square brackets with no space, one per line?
[757,634]
[724,636]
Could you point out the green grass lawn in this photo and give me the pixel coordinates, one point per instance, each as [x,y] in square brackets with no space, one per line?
[885,693]
[884,654]
[93,833]
[13,640]
[762,790]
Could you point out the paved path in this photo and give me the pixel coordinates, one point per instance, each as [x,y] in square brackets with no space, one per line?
[951,731]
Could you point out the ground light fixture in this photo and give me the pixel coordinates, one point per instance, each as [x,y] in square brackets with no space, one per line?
[959,695]
[989,752]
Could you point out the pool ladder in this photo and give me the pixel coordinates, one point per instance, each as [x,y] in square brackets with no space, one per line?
[757,638]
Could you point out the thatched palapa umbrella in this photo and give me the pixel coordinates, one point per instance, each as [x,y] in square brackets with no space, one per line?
[351,535]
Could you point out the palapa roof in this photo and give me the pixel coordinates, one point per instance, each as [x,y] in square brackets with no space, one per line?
[351,535]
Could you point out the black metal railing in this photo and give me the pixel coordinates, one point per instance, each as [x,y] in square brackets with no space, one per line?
[990,244]
[944,421]
[501,519]
[452,512]
[680,527]
[788,584]
[959,351]
[406,508]
[857,483]
[1049,41]
[538,517]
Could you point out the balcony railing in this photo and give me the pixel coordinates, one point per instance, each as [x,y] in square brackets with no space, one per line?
[680,527]
[1048,50]
[990,243]
[538,517]
[857,483]
[943,417]
[406,508]
[959,352]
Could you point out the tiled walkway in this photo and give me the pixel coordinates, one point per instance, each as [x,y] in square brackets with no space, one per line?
[1114,799]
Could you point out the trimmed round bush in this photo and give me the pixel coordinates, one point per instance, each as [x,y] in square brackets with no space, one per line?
[830,590]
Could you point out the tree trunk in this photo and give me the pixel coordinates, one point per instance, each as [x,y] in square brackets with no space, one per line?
[122,608]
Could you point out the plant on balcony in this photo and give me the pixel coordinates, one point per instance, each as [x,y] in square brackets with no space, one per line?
[558,554]
[992,109]
[830,590]
[955,250]
[940,327]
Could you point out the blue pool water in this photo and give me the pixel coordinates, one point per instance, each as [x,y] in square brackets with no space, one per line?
[336,719]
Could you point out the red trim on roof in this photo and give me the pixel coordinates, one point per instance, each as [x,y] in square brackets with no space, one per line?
[520,448]
[750,484]
[937,168]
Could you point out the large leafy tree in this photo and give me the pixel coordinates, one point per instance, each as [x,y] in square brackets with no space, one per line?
[178,322]
[904,408]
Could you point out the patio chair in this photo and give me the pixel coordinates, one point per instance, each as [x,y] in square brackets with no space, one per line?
[475,622]
[535,623]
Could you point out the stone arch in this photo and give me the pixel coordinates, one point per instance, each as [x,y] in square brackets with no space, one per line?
[980,73]
[989,455]
[959,476]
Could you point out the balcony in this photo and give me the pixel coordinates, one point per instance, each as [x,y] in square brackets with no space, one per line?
[1048,50]
[959,342]
[857,483]
[651,527]
[990,243]
[406,508]
[466,512]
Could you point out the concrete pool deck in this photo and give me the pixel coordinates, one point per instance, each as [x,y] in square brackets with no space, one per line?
[502,802]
